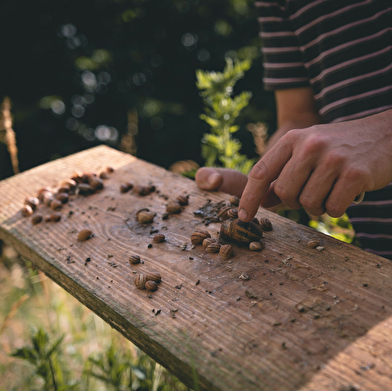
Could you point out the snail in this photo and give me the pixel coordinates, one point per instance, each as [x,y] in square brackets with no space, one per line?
[240,232]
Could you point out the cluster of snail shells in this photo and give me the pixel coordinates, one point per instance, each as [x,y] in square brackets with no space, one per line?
[148,281]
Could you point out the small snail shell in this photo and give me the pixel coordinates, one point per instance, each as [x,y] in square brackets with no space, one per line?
[232,213]
[140,281]
[104,175]
[36,219]
[158,238]
[48,198]
[208,241]
[43,191]
[266,224]
[198,236]
[27,210]
[151,286]
[56,216]
[84,234]
[240,232]
[63,189]
[213,248]
[56,205]
[235,201]
[142,190]
[255,246]
[153,276]
[96,183]
[109,169]
[173,208]
[70,183]
[313,243]
[145,217]
[134,259]
[33,202]
[222,213]
[124,188]
[84,189]
[183,200]
[226,251]
[62,197]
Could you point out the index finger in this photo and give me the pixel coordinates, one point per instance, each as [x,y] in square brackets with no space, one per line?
[263,173]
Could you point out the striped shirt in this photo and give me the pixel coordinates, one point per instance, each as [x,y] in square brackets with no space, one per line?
[343,50]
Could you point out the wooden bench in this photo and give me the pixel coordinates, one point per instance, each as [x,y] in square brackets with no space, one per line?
[304,319]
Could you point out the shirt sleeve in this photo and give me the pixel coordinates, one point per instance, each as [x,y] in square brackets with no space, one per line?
[282,59]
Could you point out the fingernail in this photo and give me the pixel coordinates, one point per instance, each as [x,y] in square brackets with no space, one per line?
[242,214]
[213,179]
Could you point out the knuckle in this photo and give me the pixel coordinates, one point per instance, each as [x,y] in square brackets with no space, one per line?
[258,172]
[334,210]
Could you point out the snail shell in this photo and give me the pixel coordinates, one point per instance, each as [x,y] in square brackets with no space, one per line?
[266,224]
[158,238]
[240,232]
[197,237]
[153,276]
[173,208]
[226,251]
[140,281]
[151,286]
[213,248]
[134,259]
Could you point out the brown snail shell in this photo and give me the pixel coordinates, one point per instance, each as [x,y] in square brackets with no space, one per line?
[56,216]
[232,213]
[208,241]
[27,210]
[198,236]
[234,200]
[173,208]
[222,213]
[183,200]
[56,205]
[95,182]
[48,198]
[134,259]
[313,243]
[142,190]
[84,189]
[266,224]
[153,276]
[240,232]
[145,217]
[255,246]
[140,281]
[226,251]
[158,238]
[36,219]
[151,286]
[213,247]
[33,202]
[62,197]
[84,234]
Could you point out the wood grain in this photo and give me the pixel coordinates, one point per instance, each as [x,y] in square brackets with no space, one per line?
[305,319]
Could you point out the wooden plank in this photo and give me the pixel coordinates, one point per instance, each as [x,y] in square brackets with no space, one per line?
[305,319]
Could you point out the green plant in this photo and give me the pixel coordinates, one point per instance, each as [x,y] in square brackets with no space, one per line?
[43,355]
[221,112]
[337,227]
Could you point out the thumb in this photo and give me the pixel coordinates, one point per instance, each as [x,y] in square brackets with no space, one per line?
[221,179]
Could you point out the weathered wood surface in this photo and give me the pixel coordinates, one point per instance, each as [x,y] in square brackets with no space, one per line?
[310,320]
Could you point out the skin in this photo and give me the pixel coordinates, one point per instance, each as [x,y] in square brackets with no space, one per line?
[320,167]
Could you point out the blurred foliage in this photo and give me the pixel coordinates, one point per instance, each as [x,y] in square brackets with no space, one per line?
[337,227]
[76,69]
[222,111]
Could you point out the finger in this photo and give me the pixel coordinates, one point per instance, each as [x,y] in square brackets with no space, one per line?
[342,195]
[221,179]
[270,199]
[317,189]
[264,172]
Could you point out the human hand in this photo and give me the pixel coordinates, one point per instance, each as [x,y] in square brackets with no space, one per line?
[322,168]
[221,179]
